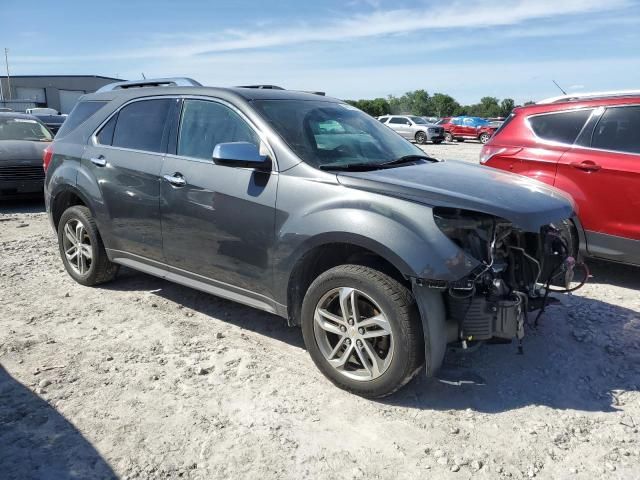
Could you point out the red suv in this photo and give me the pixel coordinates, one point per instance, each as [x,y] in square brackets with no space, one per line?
[589,146]
[467,128]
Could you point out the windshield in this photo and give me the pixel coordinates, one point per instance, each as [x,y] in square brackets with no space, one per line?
[23,129]
[326,133]
[419,120]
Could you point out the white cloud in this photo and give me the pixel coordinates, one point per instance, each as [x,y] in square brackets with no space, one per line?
[379,22]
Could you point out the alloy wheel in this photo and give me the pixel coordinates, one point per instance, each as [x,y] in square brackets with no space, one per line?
[353,334]
[77,246]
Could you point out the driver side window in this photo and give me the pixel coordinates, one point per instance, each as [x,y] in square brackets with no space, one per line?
[205,124]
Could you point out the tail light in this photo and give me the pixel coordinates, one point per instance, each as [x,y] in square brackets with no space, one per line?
[47,155]
[489,151]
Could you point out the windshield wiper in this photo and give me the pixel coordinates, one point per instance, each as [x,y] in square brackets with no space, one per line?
[406,159]
[351,167]
[363,167]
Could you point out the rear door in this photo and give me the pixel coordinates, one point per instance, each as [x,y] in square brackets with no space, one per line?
[218,222]
[603,175]
[551,135]
[125,157]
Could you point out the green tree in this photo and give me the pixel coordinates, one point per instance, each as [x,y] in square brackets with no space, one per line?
[506,106]
[443,105]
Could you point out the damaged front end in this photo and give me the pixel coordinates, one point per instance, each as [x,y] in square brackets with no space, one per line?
[515,271]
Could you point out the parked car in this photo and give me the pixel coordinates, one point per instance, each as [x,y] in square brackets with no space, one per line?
[589,146]
[23,139]
[53,122]
[432,120]
[468,128]
[42,111]
[414,128]
[308,208]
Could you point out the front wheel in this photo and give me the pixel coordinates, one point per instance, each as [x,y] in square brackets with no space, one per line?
[421,138]
[484,138]
[448,137]
[362,330]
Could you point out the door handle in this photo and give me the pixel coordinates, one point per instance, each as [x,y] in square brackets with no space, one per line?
[99,161]
[176,179]
[587,166]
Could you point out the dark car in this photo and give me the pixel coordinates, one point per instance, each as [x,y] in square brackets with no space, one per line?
[589,146]
[23,139]
[308,208]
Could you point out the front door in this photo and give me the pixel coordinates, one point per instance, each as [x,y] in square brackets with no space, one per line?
[218,222]
[605,179]
[126,161]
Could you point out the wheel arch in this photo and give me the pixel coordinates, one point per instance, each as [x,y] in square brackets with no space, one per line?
[327,251]
[64,197]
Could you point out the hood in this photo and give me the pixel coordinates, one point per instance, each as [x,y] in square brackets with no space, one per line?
[21,150]
[527,204]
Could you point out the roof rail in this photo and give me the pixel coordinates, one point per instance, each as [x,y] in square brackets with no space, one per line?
[151,82]
[590,95]
[266,87]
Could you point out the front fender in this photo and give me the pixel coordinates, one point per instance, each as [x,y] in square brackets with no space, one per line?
[402,232]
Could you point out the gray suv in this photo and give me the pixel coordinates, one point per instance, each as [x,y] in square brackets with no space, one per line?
[414,128]
[305,207]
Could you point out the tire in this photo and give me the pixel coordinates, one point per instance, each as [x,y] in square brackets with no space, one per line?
[448,137]
[390,324]
[484,138]
[90,266]
[421,138]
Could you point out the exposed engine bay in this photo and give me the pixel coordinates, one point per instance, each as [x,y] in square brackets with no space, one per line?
[515,276]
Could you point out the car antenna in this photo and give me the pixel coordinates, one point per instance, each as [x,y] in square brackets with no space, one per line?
[556,84]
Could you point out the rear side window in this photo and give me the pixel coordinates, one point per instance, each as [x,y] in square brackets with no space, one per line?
[398,120]
[618,130]
[140,125]
[80,113]
[561,127]
[205,124]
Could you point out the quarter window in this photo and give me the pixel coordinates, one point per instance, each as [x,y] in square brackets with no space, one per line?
[105,136]
[561,127]
[618,130]
[205,124]
[140,125]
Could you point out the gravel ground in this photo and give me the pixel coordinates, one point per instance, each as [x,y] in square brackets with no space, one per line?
[145,379]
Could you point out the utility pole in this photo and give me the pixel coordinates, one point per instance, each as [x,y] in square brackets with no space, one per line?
[6,60]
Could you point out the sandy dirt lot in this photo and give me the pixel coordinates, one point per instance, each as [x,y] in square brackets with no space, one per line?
[144,379]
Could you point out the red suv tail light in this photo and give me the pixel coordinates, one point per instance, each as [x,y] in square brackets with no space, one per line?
[47,155]
[489,151]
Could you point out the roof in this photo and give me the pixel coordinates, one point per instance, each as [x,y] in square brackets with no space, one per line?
[590,96]
[247,94]
[63,76]
[17,115]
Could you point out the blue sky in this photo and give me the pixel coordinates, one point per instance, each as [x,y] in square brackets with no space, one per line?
[350,48]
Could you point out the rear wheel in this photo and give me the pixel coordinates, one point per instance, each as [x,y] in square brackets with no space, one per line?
[484,138]
[362,330]
[421,138]
[81,248]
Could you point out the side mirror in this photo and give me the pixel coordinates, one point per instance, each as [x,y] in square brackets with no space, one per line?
[240,154]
